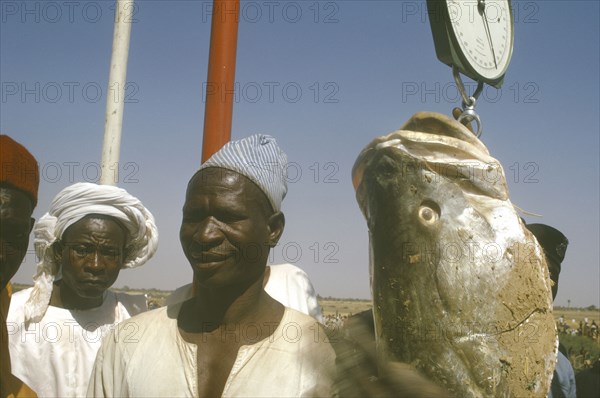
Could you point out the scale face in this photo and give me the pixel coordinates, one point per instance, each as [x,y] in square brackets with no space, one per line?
[476,36]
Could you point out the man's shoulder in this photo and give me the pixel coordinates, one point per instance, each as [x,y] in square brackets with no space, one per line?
[141,332]
[154,320]
[18,299]
[298,326]
[180,294]
[293,315]
[564,369]
[134,303]
[287,275]
[286,269]
[21,294]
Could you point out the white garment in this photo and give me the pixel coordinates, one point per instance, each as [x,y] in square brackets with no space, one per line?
[155,360]
[55,356]
[290,286]
[287,284]
[563,380]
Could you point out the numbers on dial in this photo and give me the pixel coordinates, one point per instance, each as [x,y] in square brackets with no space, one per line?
[483,29]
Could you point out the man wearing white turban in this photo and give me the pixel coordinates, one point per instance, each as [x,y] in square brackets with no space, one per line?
[232,339]
[55,328]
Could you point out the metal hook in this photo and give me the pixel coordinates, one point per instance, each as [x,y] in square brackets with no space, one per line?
[461,87]
[468,102]
[469,115]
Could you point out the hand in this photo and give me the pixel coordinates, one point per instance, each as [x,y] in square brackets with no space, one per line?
[360,374]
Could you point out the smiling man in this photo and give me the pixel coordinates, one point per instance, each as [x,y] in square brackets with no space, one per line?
[232,338]
[89,234]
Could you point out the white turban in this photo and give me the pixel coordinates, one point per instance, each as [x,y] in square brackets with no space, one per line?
[259,158]
[71,205]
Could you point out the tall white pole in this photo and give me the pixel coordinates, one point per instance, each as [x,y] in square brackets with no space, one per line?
[115,98]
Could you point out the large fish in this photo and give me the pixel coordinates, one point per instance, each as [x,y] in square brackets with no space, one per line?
[460,287]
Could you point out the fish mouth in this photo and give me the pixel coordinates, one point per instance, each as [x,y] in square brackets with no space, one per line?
[433,143]
[429,138]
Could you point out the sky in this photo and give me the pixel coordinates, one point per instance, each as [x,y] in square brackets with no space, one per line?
[324,78]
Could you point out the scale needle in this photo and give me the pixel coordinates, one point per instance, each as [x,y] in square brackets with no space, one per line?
[481,8]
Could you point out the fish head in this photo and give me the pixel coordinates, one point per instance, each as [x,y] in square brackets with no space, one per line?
[453,270]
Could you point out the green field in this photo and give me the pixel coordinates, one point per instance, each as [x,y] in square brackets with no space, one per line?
[349,307]
[344,307]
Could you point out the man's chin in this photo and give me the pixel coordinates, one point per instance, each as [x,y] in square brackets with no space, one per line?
[91,292]
[217,278]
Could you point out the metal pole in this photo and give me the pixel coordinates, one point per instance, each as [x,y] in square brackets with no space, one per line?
[115,98]
[221,76]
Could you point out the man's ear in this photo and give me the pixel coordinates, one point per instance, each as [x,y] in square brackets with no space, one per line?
[57,250]
[276,224]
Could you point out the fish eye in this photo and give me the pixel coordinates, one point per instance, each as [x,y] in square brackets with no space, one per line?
[429,212]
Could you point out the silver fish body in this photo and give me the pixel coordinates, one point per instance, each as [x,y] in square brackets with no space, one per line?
[460,287]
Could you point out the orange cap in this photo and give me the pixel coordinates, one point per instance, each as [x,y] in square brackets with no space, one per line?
[18,168]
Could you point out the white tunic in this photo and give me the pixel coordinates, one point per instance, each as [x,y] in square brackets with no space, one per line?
[155,360]
[287,284]
[55,356]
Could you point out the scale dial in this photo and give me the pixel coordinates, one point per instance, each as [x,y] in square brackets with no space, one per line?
[474,35]
[484,34]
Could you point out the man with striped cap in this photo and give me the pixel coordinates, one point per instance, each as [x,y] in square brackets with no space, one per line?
[232,338]
[19,181]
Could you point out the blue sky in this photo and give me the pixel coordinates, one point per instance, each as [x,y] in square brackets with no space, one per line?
[324,78]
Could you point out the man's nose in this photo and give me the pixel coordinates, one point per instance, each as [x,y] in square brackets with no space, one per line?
[208,231]
[95,263]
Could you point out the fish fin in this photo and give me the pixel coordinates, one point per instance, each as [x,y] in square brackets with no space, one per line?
[528,213]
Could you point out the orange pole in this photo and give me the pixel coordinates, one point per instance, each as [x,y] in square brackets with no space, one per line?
[220,82]
[221,76]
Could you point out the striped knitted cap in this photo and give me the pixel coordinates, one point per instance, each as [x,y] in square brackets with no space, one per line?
[18,168]
[259,158]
